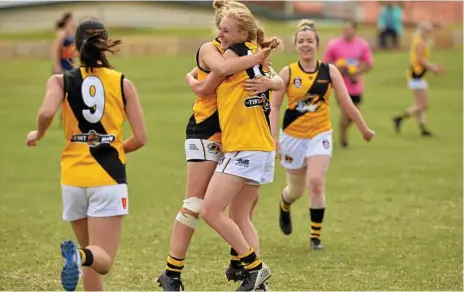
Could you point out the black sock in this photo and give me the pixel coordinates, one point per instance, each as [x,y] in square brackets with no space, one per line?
[317,216]
[234,259]
[174,266]
[251,261]
[86,257]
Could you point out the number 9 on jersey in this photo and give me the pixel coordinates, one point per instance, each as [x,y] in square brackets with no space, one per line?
[93,95]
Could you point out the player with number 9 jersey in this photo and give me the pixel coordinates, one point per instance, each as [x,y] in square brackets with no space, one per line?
[95,101]
[93,115]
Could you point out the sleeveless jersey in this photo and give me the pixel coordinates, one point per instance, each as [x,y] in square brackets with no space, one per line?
[244,118]
[308,101]
[93,114]
[67,53]
[416,70]
[204,122]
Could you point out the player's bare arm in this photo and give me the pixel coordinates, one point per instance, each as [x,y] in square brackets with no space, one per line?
[225,66]
[276,103]
[347,104]
[135,117]
[53,97]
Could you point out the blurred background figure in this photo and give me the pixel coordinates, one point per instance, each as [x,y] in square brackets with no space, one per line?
[352,55]
[63,49]
[419,65]
[390,24]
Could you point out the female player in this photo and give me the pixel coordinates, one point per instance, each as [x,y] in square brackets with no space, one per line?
[247,143]
[420,64]
[63,48]
[353,57]
[306,136]
[95,100]
[202,147]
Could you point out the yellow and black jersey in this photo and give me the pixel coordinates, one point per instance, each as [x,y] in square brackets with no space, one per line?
[308,101]
[204,122]
[244,117]
[93,114]
[417,70]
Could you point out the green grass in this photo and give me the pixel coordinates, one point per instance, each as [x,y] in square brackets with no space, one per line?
[394,215]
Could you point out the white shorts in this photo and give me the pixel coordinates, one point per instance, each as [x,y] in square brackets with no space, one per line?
[202,150]
[256,166]
[418,84]
[294,151]
[104,201]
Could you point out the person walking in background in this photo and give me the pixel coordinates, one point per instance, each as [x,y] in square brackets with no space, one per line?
[390,24]
[353,57]
[63,48]
[418,67]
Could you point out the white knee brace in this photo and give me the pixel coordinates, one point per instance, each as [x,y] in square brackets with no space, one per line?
[190,212]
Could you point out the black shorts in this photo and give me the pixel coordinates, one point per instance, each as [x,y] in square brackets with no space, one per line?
[356,99]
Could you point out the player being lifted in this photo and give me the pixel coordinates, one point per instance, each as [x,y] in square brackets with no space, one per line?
[249,151]
[203,150]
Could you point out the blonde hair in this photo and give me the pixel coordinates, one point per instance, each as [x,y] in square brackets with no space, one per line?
[221,5]
[423,25]
[305,25]
[247,22]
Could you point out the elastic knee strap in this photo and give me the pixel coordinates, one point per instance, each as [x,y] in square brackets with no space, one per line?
[190,212]
[296,184]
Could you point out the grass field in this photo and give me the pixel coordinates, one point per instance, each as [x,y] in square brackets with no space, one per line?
[394,215]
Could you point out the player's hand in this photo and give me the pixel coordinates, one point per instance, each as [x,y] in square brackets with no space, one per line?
[32,138]
[258,85]
[263,54]
[439,70]
[368,135]
[277,145]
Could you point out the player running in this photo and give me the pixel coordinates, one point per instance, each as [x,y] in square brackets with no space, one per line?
[95,101]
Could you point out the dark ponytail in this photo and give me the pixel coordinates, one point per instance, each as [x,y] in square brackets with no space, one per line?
[92,42]
[63,20]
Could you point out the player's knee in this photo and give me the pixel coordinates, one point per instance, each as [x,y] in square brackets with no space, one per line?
[296,191]
[316,185]
[208,212]
[190,211]
[424,106]
[296,185]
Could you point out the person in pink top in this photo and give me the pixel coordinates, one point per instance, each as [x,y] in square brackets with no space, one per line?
[353,57]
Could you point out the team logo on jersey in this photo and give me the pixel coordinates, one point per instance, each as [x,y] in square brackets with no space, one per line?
[326,144]
[214,148]
[311,103]
[297,82]
[260,100]
[93,139]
